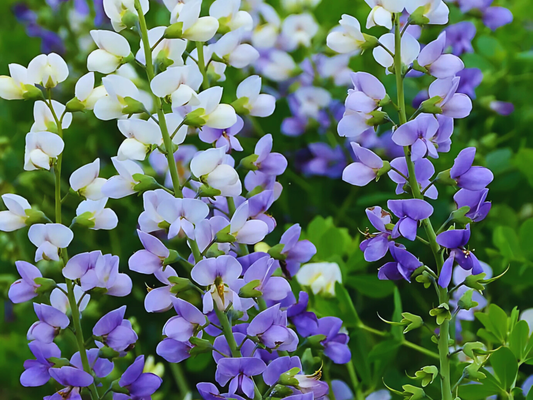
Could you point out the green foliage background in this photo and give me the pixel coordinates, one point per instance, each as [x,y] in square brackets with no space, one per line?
[330,211]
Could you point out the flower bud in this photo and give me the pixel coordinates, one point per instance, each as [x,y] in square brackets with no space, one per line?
[472,372]
[442,313]
[425,278]
[426,374]
[474,349]
[250,290]
[411,321]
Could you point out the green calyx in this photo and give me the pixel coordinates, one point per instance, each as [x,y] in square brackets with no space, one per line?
[86,220]
[32,93]
[426,374]
[430,106]
[370,42]
[179,284]
[276,252]
[45,285]
[248,162]
[132,106]
[74,105]
[445,178]
[208,191]
[130,19]
[34,216]
[442,313]
[174,31]
[288,378]
[224,235]
[240,105]
[250,290]
[144,183]
[378,118]
[418,17]
[195,118]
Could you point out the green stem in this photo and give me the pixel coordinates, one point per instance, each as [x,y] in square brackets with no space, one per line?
[201,64]
[228,333]
[355,382]
[446,390]
[180,379]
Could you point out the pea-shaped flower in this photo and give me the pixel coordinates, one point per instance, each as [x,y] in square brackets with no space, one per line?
[47,70]
[42,148]
[139,385]
[15,216]
[112,50]
[115,331]
[25,288]
[51,321]
[49,238]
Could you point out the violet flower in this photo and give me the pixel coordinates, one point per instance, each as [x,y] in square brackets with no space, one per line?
[268,162]
[239,372]
[140,385]
[209,391]
[24,289]
[186,324]
[296,251]
[160,299]
[223,137]
[437,63]
[475,199]
[73,379]
[220,344]
[101,366]
[471,78]
[467,176]
[51,321]
[424,170]
[270,327]
[410,212]
[493,17]
[174,351]
[306,322]
[326,161]
[273,288]
[376,245]
[502,107]
[365,169]
[259,205]
[403,266]
[278,367]
[37,372]
[151,259]
[452,104]
[459,36]
[336,343]
[455,240]
[115,331]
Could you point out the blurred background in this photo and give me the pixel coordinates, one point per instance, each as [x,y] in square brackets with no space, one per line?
[330,211]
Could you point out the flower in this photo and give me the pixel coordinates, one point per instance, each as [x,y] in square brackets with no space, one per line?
[274,288]
[194,27]
[51,321]
[336,343]
[209,166]
[183,214]
[268,162]
[410,50]
[86,183]
[424,170]
[306,322]
[365,170]
[41,149]
[459,36]
[49,238]
[15,216]
[438,64]
[139,385]
[223,137]
[347,39]
[17,85]
[95,215]
[239,372]
[115,331]
[258,105]
[86,93]
[279,66]
[24,289]
[37,372]
[403,266]
[475,200]
[467,176]
[436,11]
[270,327]
[122,11]
[180,83]
[326,161]
[376,245]
[244,230]
[382,11]
[151,258]
[47,70]
[298,30]
[410,212]
[218,275]
[101,366]
[295,252]
[320,277]
[209,112]
[59,300]
[120,91]
[230,49]
[502,107]
[160,299]
[73,379]
[229,15]
[111,53]
[45,119]
[452,104]
[167,51]
[140,137]
[186,324]
[124,183]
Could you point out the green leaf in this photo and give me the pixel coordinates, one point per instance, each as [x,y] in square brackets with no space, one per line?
[518,340]
[506,240]
[382,350]
[523,160]
[331,243]
[488,388]
[346,306]
[495,322]
[525,234]
[370,286]
[505,366]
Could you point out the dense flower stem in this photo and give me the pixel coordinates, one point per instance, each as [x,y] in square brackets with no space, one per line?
[160,114]
[446,391]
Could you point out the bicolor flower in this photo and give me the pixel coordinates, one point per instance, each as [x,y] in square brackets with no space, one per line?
[382,11]
[151,258]
[49,238]
[451,103]
[115,331]
[410,212]
[120,91]
[255,103]
[120,11]
[424,170]
[438,64]
[181,83]
[306,322]
[86,183]
[209,167]
[96,216]
[186,324]
[230,49]
[139,385]
[247,231]
[320,277]
[403,266]
[294,250]
[105,274]
[86,93]
[73,379]
[47,70]
[347,39]
[44,118]
[376,245]
[151,220]
[166,49]
[365,169]
[467,176]
[223,137]
[112,51]
[124,183]
[37,371]
[410,50]
[51,321]
[25,288]
[336,343]
[209,112]
[218,275]
[268,162]
[455,241]
[476,201]
[17,85]
[41,149]
[230,16]
[183,215]
[436,11]
[298,30]
[270,327]
[273,288]
[239,372]
[15,216]
[192,26]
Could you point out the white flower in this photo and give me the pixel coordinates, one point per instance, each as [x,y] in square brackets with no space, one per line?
[171,49]
[229,16]
[123,184]
[44,119]
[266,35]
[347,39]
[47,70]
[150,219]
[336,68]
[320,277]
[13,87]
[247,231]
[258,105]
[103,218]
[140,136]
[180,83]
[196,28]
[183,215]
[15,216]
[410,50]
[214,114]
[41,148]
[112,50]
[382,11]
[298,30]
[311,100]
[230,49]
[435,10]
[49,238]
[279,67]
[209,167]
[119,10]
[119,89]
[86,182]
[59,300]
[86,93]
[175,7]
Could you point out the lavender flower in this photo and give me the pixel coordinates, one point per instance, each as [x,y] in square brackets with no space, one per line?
[403,266]
[410,213]
[467,176]
[365,169]
[115,331]
[73,379]
[239,372]
[37,372]
[336,343]
[459,36]
[306,322]
[475,200]
[51,321]
[270,327]
[139,385]
[24,289]
[376,245]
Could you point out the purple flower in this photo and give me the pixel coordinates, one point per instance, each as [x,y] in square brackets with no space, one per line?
[24,289]
[296,252]
[268,162]
[280,366]
[186,324]
[73,379]
[471,78]
[37,371]
[479,208]
[273,288]
[424,170]
[239,372]
[410,212]
[403,266]
[259,205]
[336,343]
[376,245]
[365,169]
[326,161]
[51,321]
[459,36]
[247,347]
[502,107]
[455,240]
[270,327]
[255,180]
[101,366]
[223,137]
[467,176]
[438,64]
[306,322]
[208,391]
[425,135]
[160,299]
[452,104]
[140,385]
[493,17]
[115,331]
[151,259]
[174,351]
